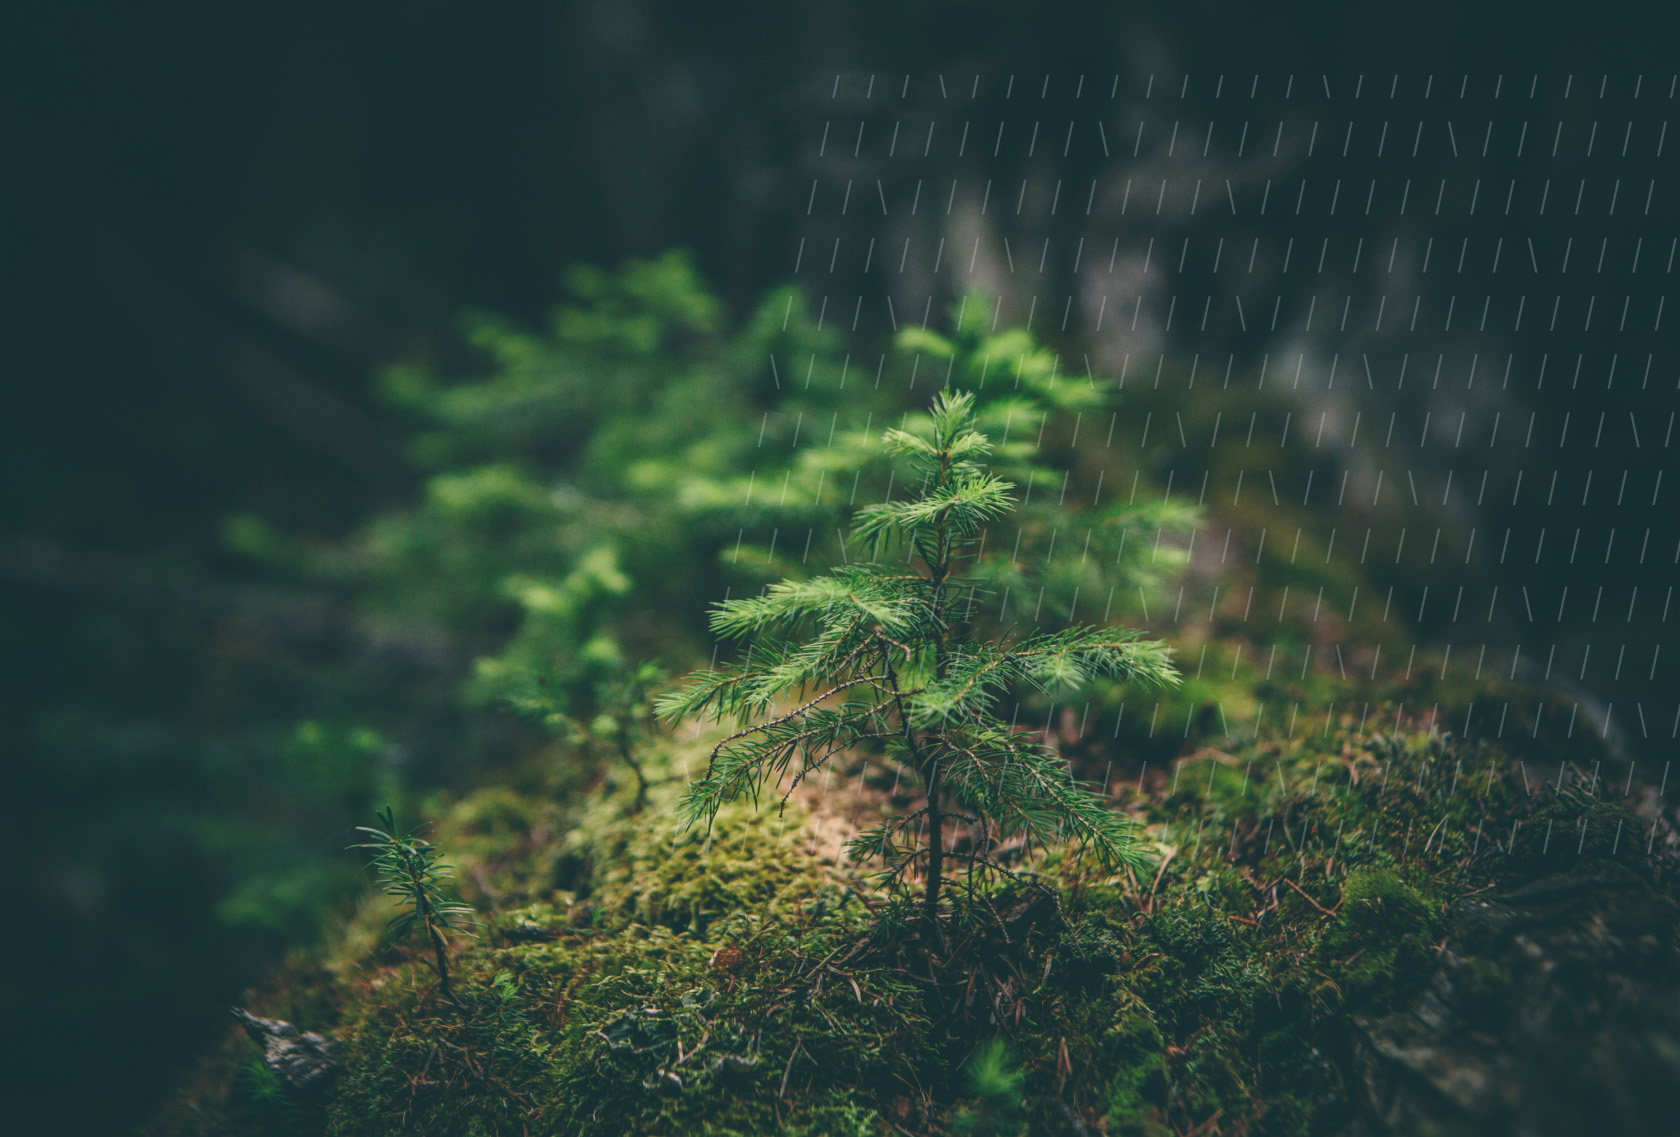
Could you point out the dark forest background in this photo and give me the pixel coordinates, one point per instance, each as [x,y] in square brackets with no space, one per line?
[224,221]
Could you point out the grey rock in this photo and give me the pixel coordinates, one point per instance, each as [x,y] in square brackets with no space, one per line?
[303,1060]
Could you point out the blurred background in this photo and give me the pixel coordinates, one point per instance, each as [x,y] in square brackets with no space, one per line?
[227,224]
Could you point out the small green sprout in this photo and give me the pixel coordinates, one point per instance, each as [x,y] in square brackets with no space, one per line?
[411,872]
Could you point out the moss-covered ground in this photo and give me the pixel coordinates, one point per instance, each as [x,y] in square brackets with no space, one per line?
[1356,923]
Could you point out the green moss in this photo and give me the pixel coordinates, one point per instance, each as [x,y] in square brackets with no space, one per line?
[648,997]
[636,977]
[1133,1049]
[1383,941]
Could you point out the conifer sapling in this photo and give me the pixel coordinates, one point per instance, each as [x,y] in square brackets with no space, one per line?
[623,700]
[625,703]
[884,657]
[409,869]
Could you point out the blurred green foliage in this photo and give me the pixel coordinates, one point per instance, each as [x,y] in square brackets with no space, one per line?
[605,478]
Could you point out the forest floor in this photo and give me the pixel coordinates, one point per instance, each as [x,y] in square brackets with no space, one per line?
[1356,924]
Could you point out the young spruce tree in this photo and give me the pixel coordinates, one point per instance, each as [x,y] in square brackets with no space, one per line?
[409,869]
[884,657]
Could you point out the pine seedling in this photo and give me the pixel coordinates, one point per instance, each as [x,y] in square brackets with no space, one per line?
[409,869]
[625,702]
[623,720]
[885,659]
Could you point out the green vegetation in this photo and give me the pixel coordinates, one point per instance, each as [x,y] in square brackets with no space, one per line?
[593,490]
[409,869]
[624,700]
[640,976]
[1279,896]
[897,647]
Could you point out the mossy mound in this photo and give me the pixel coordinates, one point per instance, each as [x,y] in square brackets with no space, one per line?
[1346,932]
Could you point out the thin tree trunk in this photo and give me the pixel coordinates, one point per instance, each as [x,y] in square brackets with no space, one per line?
[936,819]
[442,965]
[938,569]
[936,849]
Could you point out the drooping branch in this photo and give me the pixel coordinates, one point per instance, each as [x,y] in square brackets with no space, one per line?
[791,715]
